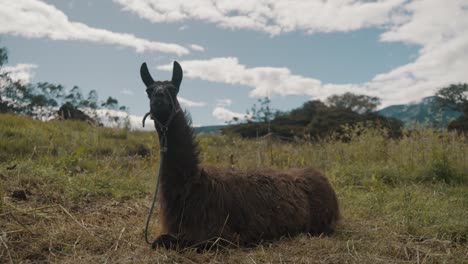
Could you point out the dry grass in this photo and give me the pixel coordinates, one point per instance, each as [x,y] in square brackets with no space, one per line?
[87,196]
[111,232]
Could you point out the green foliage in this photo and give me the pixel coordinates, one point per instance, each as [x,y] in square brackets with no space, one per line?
[314,120]
[454,96]
[440,170]
[88,160]
[74,96]
[3,56]
[110,103]
[358,103]
[208,129]
[460,124]
[261,113]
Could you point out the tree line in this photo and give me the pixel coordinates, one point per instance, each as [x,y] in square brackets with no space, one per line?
[455,97]
[47,101]
[316,119]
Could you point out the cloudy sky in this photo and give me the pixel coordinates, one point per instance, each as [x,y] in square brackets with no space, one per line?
[234,52]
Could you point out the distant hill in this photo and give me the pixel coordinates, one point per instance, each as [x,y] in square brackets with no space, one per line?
[425,113]
[208,129]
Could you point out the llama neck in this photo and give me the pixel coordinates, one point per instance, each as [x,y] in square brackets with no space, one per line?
[181,160]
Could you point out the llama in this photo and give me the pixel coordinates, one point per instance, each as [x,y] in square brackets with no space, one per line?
[202,207]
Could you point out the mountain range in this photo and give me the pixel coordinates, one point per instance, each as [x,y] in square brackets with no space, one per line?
[426,113]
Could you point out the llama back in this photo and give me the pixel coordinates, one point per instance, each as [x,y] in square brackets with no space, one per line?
[248,207]
[324,209]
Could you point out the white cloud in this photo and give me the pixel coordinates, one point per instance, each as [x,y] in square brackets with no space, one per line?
[36,19]
[264,81]
[127,92]
[224,102]
[440,28]
[404,84]
[197,47]
[429,22]
[271,16]
[189,103]
[22,72]
[184,27]
[134,121]
[223,114]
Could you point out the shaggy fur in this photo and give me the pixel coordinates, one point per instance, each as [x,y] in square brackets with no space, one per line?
[201,206]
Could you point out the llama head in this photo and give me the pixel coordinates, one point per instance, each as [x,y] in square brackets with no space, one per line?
[162,94]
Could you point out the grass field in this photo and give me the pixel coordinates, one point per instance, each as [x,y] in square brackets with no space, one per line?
[73,193]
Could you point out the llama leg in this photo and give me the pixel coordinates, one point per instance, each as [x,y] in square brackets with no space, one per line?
[170,242]
[166,241]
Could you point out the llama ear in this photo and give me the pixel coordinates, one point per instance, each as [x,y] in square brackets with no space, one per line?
[145,75]
[177,74]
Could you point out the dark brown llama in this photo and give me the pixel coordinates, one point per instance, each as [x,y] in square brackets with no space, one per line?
[206,206]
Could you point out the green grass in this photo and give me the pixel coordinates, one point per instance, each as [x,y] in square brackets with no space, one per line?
[88,192]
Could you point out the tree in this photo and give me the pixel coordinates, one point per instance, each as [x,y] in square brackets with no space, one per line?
[52,93]
[309,110]
[315,120]
[74,96]
[92,99]
[42,100]
[3,56]
[110,103]
[358,103]
[262,114]
[460,124]
[454,97]
[3,78]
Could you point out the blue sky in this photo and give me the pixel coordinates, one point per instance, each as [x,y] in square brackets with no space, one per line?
[233,52]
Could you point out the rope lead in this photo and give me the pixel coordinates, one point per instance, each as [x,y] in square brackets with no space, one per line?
[163,150]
